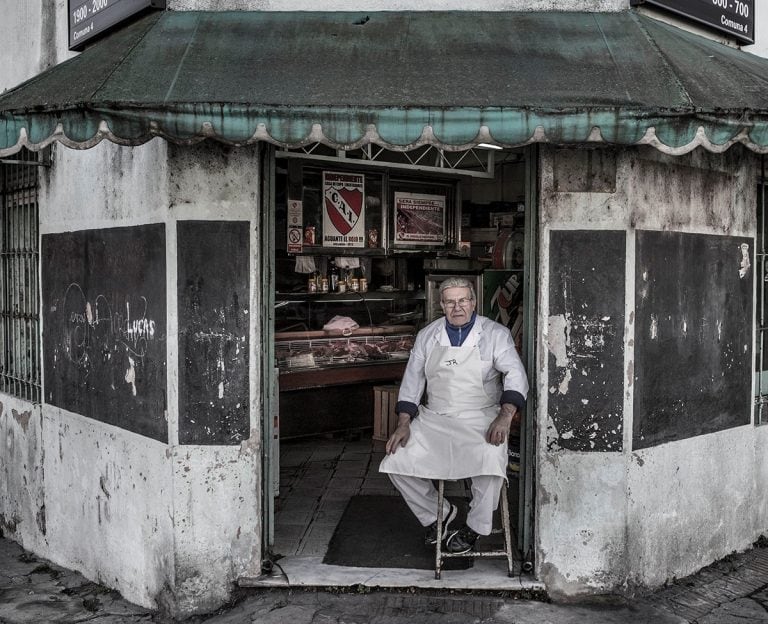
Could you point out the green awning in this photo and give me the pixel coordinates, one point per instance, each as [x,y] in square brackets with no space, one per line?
[397,79]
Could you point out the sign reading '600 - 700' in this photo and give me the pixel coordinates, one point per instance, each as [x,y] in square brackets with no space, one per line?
[89,18]
[735,17]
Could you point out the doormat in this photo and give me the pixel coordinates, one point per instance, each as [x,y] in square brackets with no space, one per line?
[381,532]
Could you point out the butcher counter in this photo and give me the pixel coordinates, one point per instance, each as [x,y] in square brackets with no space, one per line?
[327,378]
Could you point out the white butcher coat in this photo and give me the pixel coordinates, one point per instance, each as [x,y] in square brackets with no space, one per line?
[463,387]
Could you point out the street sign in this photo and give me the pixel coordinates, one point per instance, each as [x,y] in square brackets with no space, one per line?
[735,17]
[89,18]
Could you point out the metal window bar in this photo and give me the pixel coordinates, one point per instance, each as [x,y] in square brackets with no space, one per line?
[761,313]
[19,288]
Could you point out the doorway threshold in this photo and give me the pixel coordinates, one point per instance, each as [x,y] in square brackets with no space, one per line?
[310,571]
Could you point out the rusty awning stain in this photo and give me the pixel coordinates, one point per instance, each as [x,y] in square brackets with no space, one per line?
[397,79]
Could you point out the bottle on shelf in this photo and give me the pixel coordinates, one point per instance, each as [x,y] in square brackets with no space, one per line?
[341,285]
[333,275]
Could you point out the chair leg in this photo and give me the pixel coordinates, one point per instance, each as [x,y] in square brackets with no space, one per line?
[507,529]
[439,544]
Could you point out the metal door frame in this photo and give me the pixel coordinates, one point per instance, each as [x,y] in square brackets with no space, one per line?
[269,389]
[268,375]
[526,492]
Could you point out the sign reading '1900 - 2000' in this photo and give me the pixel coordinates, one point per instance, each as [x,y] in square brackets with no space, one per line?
[88,18]
[736,17]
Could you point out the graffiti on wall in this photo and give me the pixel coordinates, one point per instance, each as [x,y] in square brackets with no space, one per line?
[104,330]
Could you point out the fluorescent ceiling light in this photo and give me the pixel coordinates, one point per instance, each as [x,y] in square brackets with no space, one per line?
[489,146]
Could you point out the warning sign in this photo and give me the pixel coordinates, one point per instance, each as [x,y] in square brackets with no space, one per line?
[295,226]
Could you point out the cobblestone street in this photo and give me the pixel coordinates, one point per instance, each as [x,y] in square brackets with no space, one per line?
[733,590]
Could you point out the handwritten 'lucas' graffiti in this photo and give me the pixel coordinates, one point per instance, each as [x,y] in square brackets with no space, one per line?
[98,329]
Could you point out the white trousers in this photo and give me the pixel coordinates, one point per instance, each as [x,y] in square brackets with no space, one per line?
[421,496]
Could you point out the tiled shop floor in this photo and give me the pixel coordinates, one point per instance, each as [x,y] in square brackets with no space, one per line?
[318,476]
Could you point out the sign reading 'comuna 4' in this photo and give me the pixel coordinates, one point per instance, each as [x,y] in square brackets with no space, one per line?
[735,17]
[90,18]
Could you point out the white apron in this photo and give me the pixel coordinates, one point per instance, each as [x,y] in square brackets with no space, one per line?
[448,438]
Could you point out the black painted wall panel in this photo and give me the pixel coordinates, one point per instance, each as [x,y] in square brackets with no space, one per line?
[693,335]
[104,326]
[213,302]
[586,328]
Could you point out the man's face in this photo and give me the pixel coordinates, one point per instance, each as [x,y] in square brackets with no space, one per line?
[458,305]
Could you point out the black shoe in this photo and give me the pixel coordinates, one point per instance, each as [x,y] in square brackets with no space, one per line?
[461,541]
[430,537]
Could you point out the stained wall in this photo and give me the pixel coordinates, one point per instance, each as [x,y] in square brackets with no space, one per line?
[654,484]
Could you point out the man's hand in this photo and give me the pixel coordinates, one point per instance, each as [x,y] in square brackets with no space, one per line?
[400,435]
[498,431]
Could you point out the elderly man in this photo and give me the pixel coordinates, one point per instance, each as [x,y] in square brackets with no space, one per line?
[476,386]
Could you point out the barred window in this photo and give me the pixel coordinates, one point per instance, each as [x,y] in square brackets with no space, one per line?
[19,262]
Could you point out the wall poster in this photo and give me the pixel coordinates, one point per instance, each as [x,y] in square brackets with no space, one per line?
[343,209]
[419,219]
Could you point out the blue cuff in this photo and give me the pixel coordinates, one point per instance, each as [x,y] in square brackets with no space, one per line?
[406,406]
[511,396]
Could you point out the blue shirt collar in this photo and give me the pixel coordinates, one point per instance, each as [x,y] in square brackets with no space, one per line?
[458,334]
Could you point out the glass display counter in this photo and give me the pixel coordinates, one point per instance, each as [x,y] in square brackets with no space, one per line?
[327,377]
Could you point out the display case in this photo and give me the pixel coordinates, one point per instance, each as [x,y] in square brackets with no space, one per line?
[326,377]
[310,356]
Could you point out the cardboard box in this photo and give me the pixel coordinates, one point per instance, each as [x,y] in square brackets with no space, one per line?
[384,416]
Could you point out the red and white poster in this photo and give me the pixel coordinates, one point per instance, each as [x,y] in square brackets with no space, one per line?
[419,219]
[343,209]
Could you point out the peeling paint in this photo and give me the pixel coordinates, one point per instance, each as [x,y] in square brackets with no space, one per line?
[40,519]
[559,339]
[584,326]
[130,375]
[745,264]
[9,524]
[22,418]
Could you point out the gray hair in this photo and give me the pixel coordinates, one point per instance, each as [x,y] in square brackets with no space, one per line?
[457,282]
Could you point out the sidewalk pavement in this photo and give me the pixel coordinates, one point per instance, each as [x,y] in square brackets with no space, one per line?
[733,590]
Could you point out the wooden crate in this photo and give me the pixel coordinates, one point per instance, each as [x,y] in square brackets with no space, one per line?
[384,416]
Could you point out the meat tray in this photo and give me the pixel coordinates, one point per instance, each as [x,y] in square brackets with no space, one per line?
[323,352]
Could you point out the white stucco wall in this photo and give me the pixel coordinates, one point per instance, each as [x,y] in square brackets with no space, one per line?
[167,525]
[22,499]
[607,520]
[34,34]
[217,505]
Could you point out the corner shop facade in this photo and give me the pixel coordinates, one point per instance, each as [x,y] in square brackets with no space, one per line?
[640,192]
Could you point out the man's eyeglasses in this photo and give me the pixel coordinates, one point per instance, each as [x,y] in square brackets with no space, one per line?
[461,303]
